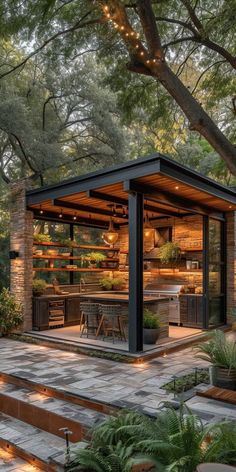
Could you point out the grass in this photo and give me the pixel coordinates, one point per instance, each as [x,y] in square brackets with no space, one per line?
[188,381]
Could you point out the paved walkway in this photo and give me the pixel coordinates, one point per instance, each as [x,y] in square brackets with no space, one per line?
[11,463]
[124,385]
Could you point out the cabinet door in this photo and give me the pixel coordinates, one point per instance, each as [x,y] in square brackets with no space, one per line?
[40,314]
[72,310]
[199,311]
[192,310]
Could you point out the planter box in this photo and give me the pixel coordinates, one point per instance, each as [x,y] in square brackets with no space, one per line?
[222,378]
[150,336]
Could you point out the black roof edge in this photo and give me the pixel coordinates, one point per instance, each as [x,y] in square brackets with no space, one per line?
[133,163]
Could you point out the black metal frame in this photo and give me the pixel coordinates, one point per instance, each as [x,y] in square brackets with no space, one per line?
[205,222]
[135,272]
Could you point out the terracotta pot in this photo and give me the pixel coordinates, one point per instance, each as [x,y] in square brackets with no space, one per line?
[150,336]
[223,378]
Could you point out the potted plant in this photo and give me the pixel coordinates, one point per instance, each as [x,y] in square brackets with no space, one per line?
[68,242]
[95,258]
[42,238]
[118,283]
[151,327]
[220,351]
[106,283]
[169,252]
[39,287]
[11,315]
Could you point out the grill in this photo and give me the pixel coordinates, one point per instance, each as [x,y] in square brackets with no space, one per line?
[167,290]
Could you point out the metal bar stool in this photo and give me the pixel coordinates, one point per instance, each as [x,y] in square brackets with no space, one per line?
[90,316]
[111,322]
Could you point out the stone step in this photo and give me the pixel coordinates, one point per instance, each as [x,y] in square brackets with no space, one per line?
[37,447]
[211,410]
[48,413]
[11,463]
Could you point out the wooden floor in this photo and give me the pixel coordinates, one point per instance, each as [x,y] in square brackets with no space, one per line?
[220,394]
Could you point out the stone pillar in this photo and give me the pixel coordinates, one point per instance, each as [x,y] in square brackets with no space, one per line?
[21,240]
[231,266]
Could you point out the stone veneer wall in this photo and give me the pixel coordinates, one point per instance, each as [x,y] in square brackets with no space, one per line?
[21,240]
[231,265]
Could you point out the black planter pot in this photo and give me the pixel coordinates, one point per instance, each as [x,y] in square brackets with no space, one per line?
[223,378]
[150,336]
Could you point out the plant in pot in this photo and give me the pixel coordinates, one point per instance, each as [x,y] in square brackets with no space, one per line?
[95,258]
[39,287]
[68,242]
[106,283]
[220,351]
[42,238]
[11,314]
[169,252]
[151,327]
[118,283]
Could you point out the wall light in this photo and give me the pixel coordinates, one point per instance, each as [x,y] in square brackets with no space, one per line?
[14,254]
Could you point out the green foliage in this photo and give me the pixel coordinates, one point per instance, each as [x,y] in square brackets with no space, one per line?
[10,312]
[169,252]
[42,238]
[39,287]
[118,283]
[107,283]
[96,256]
[150,319]
[186,382]
[174,441]
[219,351]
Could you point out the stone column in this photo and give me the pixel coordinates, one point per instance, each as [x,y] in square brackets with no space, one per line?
[231,265]
[21,240]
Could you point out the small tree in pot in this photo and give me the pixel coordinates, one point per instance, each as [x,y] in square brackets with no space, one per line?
[220,351]
[151,327]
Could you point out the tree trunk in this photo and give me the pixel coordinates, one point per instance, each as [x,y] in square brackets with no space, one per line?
[199,120]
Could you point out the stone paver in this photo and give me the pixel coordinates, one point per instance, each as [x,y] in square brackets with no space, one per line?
[123,385]
[11,463]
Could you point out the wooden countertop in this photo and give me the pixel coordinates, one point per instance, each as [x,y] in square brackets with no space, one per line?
[119,297]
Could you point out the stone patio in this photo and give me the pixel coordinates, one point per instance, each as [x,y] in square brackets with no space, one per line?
[122,385]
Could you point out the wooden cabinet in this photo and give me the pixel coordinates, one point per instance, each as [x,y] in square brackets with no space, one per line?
[191,310]
[72,311]
[43,307]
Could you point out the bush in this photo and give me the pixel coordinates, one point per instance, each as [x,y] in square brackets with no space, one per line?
[219,351]
[39,287]
[150,319]
[169,252]
[11,315]
[42,238]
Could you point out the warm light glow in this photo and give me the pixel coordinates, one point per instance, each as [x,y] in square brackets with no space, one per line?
[148,230]
[137,46]
[148,62]
[141,53]
[122,28]
[176,187]
[110,236]
[230,206]
[106,8]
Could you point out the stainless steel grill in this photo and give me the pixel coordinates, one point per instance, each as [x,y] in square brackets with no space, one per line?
[167,290]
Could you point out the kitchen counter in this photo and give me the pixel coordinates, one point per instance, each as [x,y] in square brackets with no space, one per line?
[118,297]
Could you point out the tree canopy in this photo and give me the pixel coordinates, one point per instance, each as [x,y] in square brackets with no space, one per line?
[174,59]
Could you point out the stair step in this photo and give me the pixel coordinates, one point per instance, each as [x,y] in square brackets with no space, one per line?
[30,443]
[48,413]
[11,463]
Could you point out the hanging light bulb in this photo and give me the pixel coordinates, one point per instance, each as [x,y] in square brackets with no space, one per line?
[60,214]
[41,211]
[148,230]
[74,217]
[110,236]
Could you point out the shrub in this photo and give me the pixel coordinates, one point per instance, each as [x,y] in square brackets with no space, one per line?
[169,252]
[106,283]
[39,287]
[219,351]
[150,319]
[42,238]
[11,315]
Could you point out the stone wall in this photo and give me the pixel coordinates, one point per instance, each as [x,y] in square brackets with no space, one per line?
[231,266]
[21,240]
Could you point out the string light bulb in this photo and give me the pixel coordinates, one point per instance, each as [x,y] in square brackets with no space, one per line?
[106,8]
[74,217]
[60,214]
[41,211]
[141,53]
[122,28]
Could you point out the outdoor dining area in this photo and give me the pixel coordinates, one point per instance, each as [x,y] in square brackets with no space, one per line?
[102,320]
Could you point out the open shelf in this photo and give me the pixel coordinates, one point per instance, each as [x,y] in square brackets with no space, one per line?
[63,269]
[76,246]
[75,258]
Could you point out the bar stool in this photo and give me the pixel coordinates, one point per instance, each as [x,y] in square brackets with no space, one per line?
[111,322]
[90,315]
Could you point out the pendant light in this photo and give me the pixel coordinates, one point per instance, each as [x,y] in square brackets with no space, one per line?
[110,236]
[148,230]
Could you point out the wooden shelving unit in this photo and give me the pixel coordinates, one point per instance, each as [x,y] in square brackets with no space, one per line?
[75,258]
[77,246]
[64,269]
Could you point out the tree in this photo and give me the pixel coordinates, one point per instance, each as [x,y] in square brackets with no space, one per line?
[158,37]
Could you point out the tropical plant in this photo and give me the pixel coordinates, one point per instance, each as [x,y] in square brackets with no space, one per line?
[150,319]
[118,282]
[219,350]
[174,441]
[169,252]
[106,283]
[96,256]
[11,314]
[42,238]
[39,287]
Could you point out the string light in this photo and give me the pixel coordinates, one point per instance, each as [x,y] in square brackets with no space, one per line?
[141,53]
[106,8]
[122,28]
[148,62]
[137,46]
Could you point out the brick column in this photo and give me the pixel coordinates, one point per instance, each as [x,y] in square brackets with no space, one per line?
[21,240]
[231,265]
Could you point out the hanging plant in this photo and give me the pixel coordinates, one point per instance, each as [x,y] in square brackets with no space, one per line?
[169,252]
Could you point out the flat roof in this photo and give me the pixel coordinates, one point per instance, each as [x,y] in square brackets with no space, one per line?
[166,185]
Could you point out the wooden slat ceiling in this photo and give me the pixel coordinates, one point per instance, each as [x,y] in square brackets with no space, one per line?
[161,182]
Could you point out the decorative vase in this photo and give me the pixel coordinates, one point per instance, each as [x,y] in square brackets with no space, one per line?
[150,336]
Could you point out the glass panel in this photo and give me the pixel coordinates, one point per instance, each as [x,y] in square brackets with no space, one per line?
[216,267]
